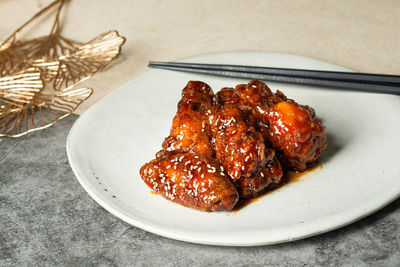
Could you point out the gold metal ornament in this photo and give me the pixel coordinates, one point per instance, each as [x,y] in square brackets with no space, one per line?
[37,75]
[88,59]
[41,112]
[21,87]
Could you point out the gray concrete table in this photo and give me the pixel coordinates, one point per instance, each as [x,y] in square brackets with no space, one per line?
[47,219]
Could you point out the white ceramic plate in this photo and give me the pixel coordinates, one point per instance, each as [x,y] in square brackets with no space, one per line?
[360,169]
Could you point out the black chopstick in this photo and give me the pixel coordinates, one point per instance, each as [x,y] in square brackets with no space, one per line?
[378,83]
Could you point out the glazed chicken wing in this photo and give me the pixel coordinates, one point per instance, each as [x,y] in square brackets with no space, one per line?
[240,149]
[190,129]
[190,180]
[267,178]
[292,129]
[227,146]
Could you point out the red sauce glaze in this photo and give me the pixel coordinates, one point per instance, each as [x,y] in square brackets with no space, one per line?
[269,176]
[296,131]
[190,129]
[241,149]
[190,180]
[292,129]
[288,177]
[233,144]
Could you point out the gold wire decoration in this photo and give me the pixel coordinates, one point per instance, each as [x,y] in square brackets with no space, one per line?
[41,112]
[16,55]
[88,59]
[21,87]
[51,63]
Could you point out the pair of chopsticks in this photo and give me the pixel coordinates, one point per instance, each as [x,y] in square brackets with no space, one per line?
[366,82]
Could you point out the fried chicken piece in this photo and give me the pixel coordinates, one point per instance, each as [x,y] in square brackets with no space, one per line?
[293,129]
[190,180]
[219,146]
[268,178]
[241,150]
[190,129]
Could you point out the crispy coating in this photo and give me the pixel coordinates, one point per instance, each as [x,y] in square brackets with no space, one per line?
[190,129]
[292,129]
[240,148]
[267,178]
[230,145]
[190,180]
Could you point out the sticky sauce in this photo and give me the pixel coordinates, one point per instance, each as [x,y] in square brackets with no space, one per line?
[289,177]
[295,177]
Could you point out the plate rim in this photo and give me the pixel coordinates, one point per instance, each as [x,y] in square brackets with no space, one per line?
[353,217]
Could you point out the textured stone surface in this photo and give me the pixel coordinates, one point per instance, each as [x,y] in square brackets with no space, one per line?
[47,218]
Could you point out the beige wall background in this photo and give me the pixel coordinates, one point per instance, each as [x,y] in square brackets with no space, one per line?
[362,35]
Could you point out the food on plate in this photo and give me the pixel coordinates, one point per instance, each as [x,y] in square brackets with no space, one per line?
[232,145]
[190,131]
[292,129]
[241,149]
[190,180]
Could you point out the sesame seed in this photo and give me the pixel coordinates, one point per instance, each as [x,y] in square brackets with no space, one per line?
[262,174]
